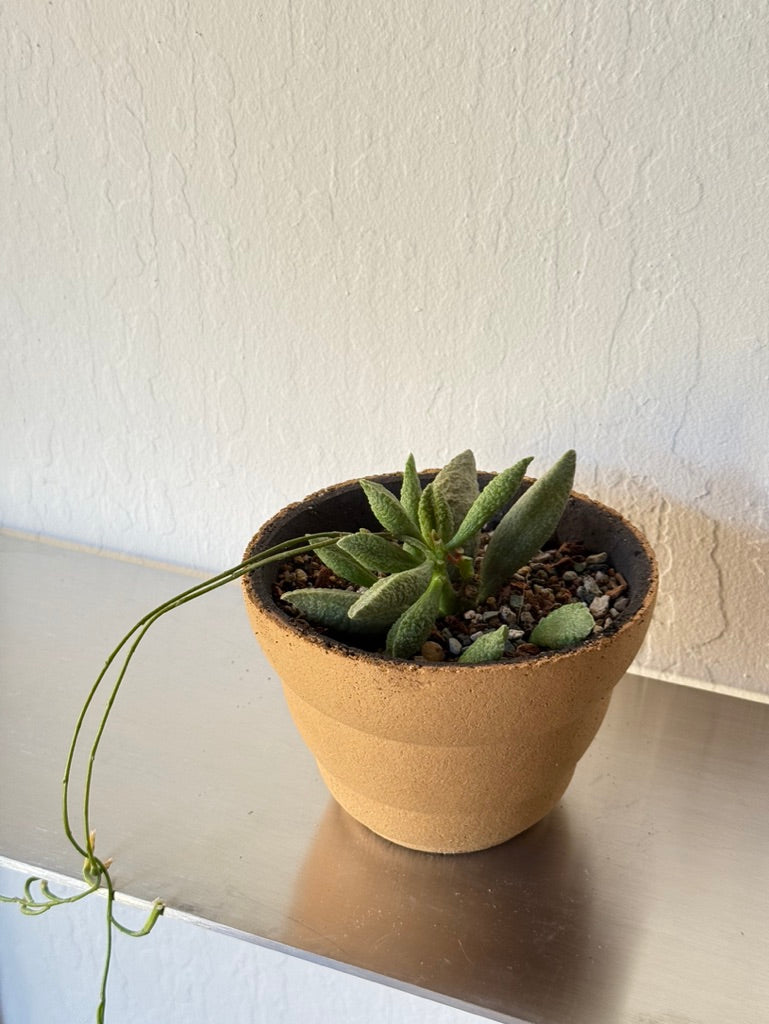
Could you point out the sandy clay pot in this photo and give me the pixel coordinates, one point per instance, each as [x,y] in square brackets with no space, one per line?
[447,758]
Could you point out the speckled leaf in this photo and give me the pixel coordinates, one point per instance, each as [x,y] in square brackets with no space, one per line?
[489,647]
[377,554]
[492,498]
[457,483]
[527,525]
[434,514]
[391,596]
[412,628]
[411,490]
[345,565]
[330,608]
[563,627]
[388,510]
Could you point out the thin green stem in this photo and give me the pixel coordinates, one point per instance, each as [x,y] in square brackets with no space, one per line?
[33,907]
[275,554]
[102,1007]
[95,871]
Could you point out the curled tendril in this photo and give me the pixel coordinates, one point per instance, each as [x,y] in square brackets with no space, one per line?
[33,906]
[96,873]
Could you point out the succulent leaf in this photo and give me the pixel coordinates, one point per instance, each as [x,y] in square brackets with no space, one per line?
[330,608]
[434,514]
[489,647]
[492,498]
[411,490]
[428,521]
[457,484]
[377,554]
[345,565]
[391,596]
[563,627]
[527,525]
[412,628]
[388,510]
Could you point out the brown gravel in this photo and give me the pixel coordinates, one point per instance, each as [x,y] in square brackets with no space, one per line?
[554,577]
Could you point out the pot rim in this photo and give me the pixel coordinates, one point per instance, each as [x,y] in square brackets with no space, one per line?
[306,633]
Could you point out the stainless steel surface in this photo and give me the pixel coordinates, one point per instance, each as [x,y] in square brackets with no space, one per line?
[643,898]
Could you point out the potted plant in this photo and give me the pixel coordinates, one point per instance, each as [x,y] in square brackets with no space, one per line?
[461,753]
[435,718]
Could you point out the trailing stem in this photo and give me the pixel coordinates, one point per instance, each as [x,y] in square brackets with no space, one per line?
[96,872]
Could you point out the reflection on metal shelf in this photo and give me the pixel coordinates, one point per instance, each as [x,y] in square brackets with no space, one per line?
[643,897]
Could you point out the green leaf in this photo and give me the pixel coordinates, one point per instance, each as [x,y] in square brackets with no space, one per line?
[377,554]
[492,498]
[527,525]
[345,565]
[457,484]
[563,627]
[330,608]
[434,514]
[388,510]
[411,489]
[489,647]
[391,596]
[412,628]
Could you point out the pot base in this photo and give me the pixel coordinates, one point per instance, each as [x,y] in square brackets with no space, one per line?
[443,832]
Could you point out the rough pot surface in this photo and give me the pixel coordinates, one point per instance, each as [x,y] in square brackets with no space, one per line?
[447,758]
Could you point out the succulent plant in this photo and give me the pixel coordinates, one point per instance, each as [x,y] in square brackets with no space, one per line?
[421,566]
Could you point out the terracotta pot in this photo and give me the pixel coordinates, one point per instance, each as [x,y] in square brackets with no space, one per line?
[447,758]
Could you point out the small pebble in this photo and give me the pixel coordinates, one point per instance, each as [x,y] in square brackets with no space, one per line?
[598,559]
[455,647]
[599,606]
[590,587]
[431,651]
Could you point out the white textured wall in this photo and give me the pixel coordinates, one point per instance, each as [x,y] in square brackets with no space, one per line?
[251,248]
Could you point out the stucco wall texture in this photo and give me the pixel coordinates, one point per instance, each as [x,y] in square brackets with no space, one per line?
[249,249]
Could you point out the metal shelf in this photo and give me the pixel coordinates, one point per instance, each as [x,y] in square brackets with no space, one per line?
[643,897]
